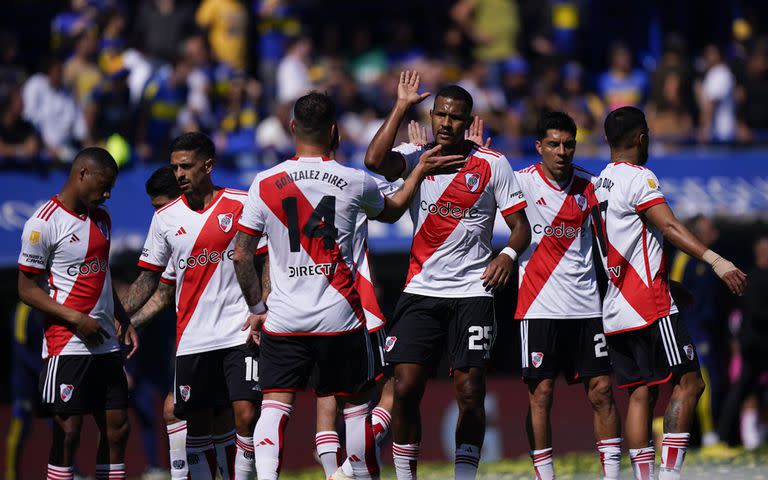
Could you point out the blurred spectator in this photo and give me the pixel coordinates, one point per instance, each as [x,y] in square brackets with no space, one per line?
[66,26]
[622,85]
[273,134]
[227,24]
[108,109]
[669,118]
[754,92]
[367,62]
[111,42]
[293,71]
[753,337]
[80,73]
[19,143]
[162,24]
[52,109]
[140,70]
[11,73]
[716,99]
[236,120]
[584,107]
[207,82]
[277,22]
[515,80]
[163,100]
[704,321]
[488,98]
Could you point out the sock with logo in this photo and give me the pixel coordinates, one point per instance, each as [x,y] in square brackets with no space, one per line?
[465,462]
[329,450]
[406,458]
[361,447]
[201,457]
[268,438]
[643,460]
[224,445]
[610,457]
[673,448]
[542,463]
[60,473]
[110,471]
[380,420]
[244,466]
[177,441]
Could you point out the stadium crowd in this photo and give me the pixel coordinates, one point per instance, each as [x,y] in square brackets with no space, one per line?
[132,75]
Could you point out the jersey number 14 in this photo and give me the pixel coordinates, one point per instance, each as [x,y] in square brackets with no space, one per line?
[321,223]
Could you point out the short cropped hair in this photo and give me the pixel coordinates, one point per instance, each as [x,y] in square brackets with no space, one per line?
[163,182]
[197,142]
[314,113]
[555,121]
[455,92]
[98,156]
[623,124]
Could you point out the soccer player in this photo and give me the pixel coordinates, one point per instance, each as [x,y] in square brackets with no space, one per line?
[66,245]
[214,365]
[647,342]
[558,303]
[308,207]
[448,291]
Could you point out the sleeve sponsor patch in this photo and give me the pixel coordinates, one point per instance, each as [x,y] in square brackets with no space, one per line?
[34,237]
[652,184]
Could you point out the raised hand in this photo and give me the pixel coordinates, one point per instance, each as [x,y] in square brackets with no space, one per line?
[417,134]
[408,88]
[434,165]
[475,133]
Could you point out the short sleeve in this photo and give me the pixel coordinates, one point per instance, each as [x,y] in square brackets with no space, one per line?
[506,189]
[645,191]
[35,246]
[386,187]
[169,274]
[373,200]
[261,247]
[411,153]
[156,251]
[252,220]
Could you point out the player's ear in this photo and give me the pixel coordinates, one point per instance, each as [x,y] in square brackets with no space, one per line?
[208,165]
[538,146]
[335,137]
[292,126]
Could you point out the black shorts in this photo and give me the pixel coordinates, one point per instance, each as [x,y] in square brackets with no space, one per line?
[216,378]
[340,364]
[80,384]
[378,340]
[421,324]
[654,354]
[575,347]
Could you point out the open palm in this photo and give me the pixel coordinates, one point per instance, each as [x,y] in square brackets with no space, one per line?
[408,88]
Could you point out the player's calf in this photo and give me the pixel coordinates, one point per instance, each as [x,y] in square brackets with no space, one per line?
[677,422]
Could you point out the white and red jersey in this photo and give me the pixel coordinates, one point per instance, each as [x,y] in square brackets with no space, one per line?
[453,218]
[633,254]
[308,207]
[557,275]
[73,250]
[199,246]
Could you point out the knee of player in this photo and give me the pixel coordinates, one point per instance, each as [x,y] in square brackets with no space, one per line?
[600,392]
[541,398]
[71,437]
[407,389]
[470,396]
[694,386]
[117,433]
[245,418]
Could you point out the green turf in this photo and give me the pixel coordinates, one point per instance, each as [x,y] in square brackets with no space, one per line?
[746,465]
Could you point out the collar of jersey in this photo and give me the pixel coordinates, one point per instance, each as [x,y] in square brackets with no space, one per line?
[56,200]
[554,186]
[311,159]
[213,202]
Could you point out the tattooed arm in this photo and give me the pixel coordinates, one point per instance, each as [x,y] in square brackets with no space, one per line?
[247,276]
[140,291]
[162,298]
[266,281]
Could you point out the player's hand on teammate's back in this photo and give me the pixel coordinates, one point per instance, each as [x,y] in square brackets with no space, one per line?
[89,329]
[417,134]
[497,273]
[131,340]
[431,164]
[408,88]
[474,133]
[255,323]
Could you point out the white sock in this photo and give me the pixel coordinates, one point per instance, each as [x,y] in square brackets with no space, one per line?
[110,471]
[750,432]
[224,445]
[673,448]
[177,441]
[268,438]
[201,457]
[60,473]
[361,447]
[380,420]
[244,466]
[406,459]
[465,462]
[329,450]
[643,460]
[542,463]
[610,457]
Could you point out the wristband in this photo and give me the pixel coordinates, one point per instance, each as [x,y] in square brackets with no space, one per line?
[510,252]
[710,257]
[258,309]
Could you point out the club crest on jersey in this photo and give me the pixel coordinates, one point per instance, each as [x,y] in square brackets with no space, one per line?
[536,359]
[390,343]
[34,237]
[103,228]
[472,180]
[184,391]
[225,221]
[65,391]
[581,202]
[689,351]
